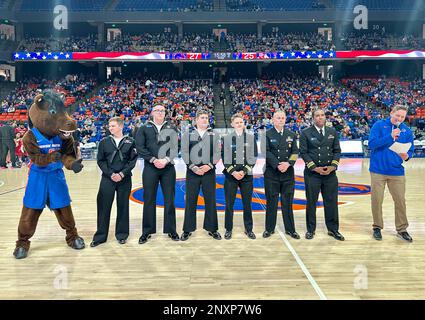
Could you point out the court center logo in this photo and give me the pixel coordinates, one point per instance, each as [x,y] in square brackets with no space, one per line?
[258,198]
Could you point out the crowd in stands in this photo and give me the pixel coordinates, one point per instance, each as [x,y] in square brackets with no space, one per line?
[291,5]
[376,4]
[233,42]
[190,42]
[238,42]
[165,5]
[73,43]
[200,5]
[132,98]
[72,5]
[274,5]
[391,91]
[74,88]
[242,5]
[159,42]
[257,99]
[381,41]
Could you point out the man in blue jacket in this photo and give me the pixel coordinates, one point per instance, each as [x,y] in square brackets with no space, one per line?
[386,168]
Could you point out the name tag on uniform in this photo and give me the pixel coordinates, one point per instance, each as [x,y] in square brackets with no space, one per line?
[148,126]
[289,139]
[273,140]
[127,141]
[313,138]
[331,137]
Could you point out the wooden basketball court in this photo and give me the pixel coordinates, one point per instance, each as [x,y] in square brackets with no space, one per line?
[203,268]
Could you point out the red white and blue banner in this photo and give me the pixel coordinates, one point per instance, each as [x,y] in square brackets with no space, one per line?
[118,56]
[43,56]
[219,56]
[381,54]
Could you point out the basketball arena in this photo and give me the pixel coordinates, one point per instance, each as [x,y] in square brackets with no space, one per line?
[355,60]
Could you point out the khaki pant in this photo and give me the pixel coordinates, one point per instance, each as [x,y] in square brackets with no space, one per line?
[397,188]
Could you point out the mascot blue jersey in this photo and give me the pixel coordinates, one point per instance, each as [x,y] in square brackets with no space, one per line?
[47,146]
[47,185]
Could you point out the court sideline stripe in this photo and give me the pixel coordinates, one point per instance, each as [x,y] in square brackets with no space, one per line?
[307,273]
[10,191]
[303,267]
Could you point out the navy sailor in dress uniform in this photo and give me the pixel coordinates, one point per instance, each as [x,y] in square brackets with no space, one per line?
[116,158]
[201,152]
[157,143]
[279,178]
[320,150]
[239,154]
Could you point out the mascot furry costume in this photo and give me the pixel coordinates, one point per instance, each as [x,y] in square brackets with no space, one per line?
[50,146]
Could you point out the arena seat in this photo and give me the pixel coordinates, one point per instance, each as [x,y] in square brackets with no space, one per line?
[74,5]
[376,4]
[157,5]
[273,5]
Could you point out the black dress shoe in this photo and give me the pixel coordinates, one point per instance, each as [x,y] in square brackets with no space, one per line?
[294,234]
[309,235]
[174,236]
[267,234]
[122,241]
[144,238]
[336,235]
[228,235]
[95,243]
[185,236]
[250,234]
[405,236]
[216,235]
[377,234]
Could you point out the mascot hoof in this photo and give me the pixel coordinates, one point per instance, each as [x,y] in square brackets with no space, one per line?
[78,244]
[20,253]
[77,166]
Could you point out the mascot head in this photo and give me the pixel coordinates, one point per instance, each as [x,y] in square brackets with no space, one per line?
[49,115]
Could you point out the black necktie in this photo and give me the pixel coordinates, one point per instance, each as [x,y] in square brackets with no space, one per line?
[321,131]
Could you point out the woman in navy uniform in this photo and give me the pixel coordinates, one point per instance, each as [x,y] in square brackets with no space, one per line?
[320,150]
[239,154]
[279,178]
[116,158]
[200,152]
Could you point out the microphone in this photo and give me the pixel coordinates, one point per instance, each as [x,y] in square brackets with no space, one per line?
[397,125]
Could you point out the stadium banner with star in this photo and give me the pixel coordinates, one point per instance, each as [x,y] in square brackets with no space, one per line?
[217,56]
